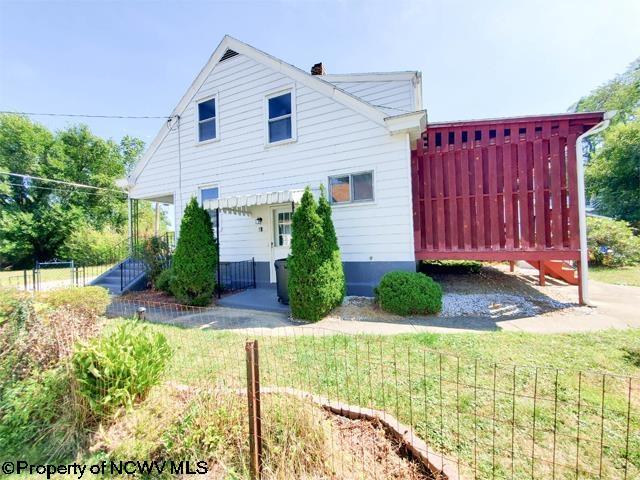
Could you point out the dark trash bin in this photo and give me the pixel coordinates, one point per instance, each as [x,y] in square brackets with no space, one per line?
[282,280]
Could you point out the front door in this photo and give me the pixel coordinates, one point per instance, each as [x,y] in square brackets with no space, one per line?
[280,235]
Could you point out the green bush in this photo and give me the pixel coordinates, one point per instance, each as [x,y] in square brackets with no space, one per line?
[156,256]
[88,246]
[450,266]
[196,257]
[409,293]
[165,281]
[118,369]
[311,294]
[41,417]
[611,242]
[93,300]
[331,252]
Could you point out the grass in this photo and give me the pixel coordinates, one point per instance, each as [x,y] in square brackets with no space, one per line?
[15,278]
[450,399]
[618,276]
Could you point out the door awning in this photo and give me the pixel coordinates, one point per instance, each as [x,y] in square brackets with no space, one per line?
[241,204]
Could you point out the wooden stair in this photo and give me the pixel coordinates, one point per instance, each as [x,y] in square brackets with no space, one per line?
[559,269]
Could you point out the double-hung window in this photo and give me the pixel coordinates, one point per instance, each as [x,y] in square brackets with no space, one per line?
[280,117]
[207,120]
[351,187]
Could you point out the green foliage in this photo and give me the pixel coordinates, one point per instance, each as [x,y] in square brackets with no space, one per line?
[156,255]
[35,223]
[311,294]
[611,242]
[41,418]
[450,266]
[621,94]
[118,369]
[331,251]
[87,246]
[409,293]
[90,299]
[612,175]
[164,281]
[196,257]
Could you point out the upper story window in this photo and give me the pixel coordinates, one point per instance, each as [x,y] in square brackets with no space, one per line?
[280,117]
[207,120]
[352,187]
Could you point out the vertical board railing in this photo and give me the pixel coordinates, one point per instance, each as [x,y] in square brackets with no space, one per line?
[498,190]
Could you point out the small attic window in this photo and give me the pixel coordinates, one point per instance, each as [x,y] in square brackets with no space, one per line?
[228,54]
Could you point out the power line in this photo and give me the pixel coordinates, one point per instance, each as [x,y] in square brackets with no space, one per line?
[62,182]
[58,189]
[84,115]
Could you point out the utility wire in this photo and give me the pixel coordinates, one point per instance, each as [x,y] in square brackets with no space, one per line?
[62,182]
[134,117]
[59,189]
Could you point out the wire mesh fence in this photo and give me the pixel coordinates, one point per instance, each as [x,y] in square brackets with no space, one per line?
[345,406]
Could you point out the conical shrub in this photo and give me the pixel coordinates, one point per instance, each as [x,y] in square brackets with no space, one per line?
[310,295]
[331,251]
[196,257]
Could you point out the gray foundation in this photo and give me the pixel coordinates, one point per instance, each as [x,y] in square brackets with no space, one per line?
[361,277]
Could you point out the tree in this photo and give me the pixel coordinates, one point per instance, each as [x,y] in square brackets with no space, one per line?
[310,295]
[37,217]
[196,257]
[331,252]
[612,175]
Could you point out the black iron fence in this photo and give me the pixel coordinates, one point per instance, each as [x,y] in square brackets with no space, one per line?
[234,276]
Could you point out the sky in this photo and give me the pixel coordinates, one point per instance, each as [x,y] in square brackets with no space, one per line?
[478,59]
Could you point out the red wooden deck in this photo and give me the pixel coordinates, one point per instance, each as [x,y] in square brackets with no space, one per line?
[497,190]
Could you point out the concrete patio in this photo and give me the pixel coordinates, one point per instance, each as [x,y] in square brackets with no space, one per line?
[261,299]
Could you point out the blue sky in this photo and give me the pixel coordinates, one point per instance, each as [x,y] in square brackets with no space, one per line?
[478,58]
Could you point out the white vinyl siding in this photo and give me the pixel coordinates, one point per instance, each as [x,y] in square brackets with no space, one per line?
[332,139]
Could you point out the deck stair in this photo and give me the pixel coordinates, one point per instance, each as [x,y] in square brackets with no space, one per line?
[558,269]
[122,277]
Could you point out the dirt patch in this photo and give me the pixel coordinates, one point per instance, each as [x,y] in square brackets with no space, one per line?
[371,453]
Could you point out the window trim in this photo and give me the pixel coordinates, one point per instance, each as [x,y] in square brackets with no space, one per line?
[351,200]
[196,117]
[294,133]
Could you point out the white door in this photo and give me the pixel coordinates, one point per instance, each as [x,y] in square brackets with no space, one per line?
[280,236]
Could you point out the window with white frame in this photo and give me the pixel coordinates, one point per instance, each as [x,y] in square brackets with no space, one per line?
[207,120]
[280,119]
[351,187]
[210,193]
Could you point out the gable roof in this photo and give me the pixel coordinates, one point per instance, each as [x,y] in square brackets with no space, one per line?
[314,82]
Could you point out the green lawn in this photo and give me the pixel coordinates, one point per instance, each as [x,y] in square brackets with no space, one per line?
[617,276]
[15,278]
[473,404]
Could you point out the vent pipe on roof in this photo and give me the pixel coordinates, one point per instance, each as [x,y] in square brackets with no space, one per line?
[317,69]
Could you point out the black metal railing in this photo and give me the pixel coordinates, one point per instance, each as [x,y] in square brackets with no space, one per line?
[234,276]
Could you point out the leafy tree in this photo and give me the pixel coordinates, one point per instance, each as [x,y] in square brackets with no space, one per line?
[612,175]
[196,257]
[36,217]
[331,252]
[310,294]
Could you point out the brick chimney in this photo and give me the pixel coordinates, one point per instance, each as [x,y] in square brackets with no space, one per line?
[317,69]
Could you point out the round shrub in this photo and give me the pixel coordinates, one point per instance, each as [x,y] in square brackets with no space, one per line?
[165,280]
[408,293]
[118,369]
[611,243]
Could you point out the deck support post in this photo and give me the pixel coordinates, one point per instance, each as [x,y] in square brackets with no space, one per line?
[512,266]
[541,279]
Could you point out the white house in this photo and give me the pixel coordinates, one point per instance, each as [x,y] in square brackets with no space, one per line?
[252,131]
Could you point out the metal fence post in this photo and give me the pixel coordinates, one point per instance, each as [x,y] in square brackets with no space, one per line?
[25,279]
[253,398]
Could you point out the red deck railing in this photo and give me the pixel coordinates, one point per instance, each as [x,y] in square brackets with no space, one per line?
[499,190]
